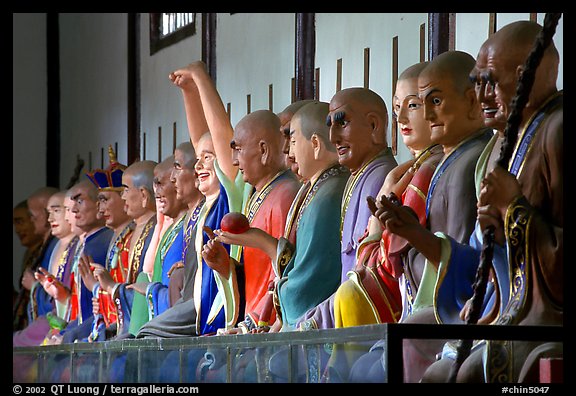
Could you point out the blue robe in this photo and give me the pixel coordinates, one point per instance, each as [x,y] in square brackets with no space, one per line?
[95,246]
[41,302]
[211,316]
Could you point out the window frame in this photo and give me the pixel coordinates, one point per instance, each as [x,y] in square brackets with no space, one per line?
[157,42]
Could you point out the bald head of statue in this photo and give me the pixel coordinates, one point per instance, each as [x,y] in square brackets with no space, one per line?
[358,121]
[138,194]
[500,63]
[450,103]
[287,114]
[257,147]
[285,120]
[310,140]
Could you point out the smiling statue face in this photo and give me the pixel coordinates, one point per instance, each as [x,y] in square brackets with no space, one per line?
[208,183]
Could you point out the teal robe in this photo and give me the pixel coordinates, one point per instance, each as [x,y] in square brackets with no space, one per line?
[314,266]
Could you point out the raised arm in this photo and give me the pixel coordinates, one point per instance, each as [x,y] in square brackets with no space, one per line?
[197,125]
[214,113]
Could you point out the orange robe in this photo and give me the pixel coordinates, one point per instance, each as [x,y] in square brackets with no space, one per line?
[268,211]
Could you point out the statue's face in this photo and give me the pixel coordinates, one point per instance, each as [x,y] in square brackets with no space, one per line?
[57,216]
[38,215]
[409,114]
[495,86]
[84,208]
[184,176]
[301,150]
[208,182]
[24,227]
[165,193]
[447,109]
[111,207]
[350,131]
[132,196]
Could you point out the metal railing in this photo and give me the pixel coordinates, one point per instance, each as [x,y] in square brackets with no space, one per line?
[331,355]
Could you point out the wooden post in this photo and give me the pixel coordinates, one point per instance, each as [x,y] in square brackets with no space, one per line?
[174,137]
[338,74]
[305,47]
[492,24]
[423,42]
[438,33]
[159,144]
[317,84]
[270,97]
[366,67]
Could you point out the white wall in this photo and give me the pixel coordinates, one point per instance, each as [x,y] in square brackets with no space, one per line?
[160,100]
[94,91]
[253,51]
[29,109]
[345,35]
[472,31]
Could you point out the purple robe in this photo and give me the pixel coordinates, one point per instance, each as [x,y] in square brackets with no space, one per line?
[355,216]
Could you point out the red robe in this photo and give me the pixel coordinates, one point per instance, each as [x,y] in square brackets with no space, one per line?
[118,273]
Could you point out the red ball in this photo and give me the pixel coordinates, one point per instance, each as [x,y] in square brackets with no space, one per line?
[235,223]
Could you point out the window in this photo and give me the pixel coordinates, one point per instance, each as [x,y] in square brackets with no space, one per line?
[167,28]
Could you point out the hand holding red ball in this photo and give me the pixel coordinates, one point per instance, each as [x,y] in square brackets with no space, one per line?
[235,223]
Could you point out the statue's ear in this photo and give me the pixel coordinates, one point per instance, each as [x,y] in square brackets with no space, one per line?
[379,125]
[264,152]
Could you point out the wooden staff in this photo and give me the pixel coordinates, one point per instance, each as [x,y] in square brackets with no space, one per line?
[524,86]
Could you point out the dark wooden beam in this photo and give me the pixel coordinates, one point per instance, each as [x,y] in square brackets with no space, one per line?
[209,43]
[423,42]
[53,106]
[366,67]
[305,53]
[271,97]
[317,84]
[492,24]
[338,74]
[438,33]
[159,144]
[174,137]
[133,62]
